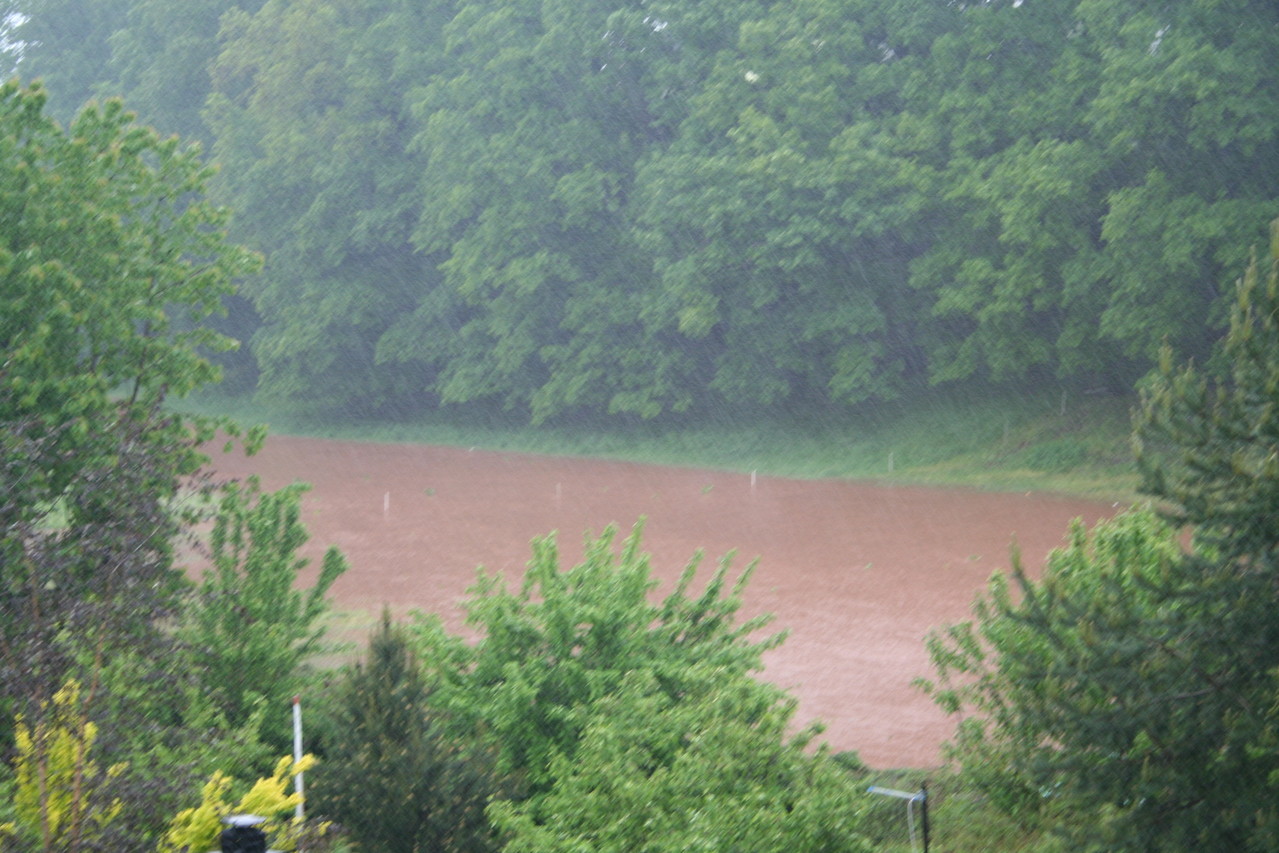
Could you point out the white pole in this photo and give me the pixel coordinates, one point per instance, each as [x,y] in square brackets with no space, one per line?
[297,753]
[386,503]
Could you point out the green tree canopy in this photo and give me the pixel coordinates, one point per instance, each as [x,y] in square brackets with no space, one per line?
[566,638]
[248,626]
[716,768]
[1100,171]
[646,208]
[775,227]
[67,45]
[308,107]
[161,58]
[634,724]
[109,257]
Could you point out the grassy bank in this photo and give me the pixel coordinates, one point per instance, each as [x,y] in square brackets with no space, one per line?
[1049,442]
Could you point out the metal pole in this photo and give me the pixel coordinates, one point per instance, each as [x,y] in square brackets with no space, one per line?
[923,811]
[297,754]
[921,797]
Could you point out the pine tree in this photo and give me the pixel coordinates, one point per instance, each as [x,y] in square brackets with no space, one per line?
[1210,446]
[388,775]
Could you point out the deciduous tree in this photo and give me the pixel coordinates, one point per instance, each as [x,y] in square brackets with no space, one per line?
[553,648]
[716,768]
[635,724]
[109,257]
[249,626]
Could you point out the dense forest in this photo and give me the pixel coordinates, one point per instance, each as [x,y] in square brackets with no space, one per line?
[649,207]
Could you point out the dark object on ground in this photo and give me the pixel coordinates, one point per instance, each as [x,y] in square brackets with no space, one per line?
[243,835]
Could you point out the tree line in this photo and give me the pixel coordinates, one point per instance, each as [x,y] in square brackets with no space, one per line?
[650,207]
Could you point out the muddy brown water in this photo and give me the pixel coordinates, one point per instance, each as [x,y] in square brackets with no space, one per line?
[858,573]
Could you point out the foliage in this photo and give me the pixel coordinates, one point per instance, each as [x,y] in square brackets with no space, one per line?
[714,769]
[648,208]
[65,44]
[161,53]
[307,105]
[390,776]
[152,249]
[197,829]
[756,216]
[152,53]
[1136,682]
[1072,222]
[1070,680]
[58,797]
[633,724]
[155,714]
[248,626]
[1207,443]
[566,639]
[109,256]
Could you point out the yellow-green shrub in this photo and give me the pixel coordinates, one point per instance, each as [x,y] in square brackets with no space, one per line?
[56,779]
[197,829]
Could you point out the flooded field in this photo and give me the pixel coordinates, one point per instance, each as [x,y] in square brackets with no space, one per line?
[858,573]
